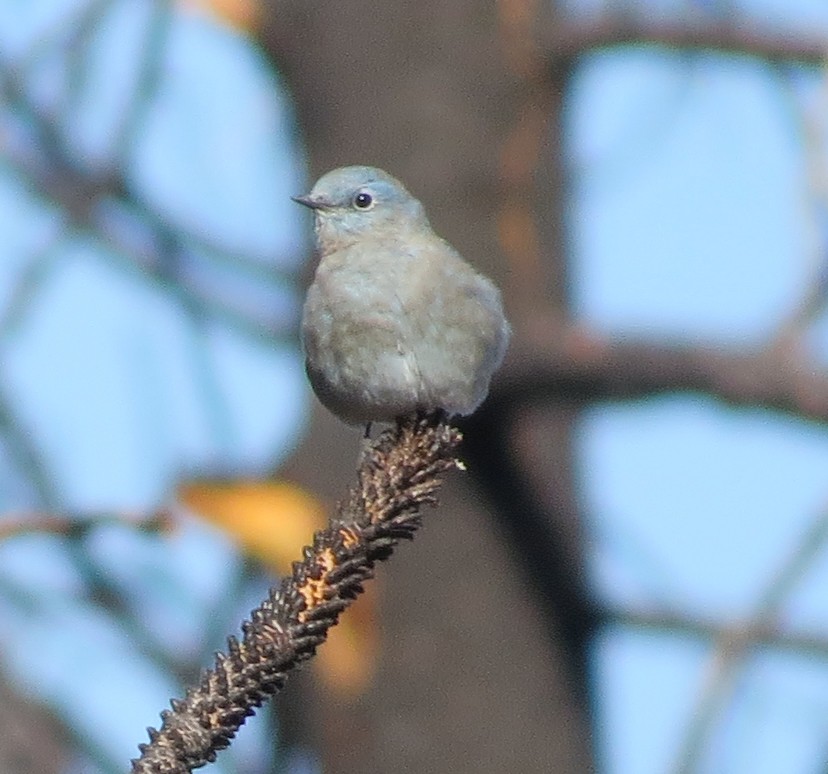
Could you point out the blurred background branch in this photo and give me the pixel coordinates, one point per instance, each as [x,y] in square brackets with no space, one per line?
[732,35]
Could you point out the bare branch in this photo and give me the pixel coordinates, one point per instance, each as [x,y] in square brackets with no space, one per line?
[26,454]
[735,641]
[47,167]
[576,365]
[736,644]
[29,280]
[566,42]
[80,524]
[149,76]
[69,33]
[674,624]
[811,123]
[139,252]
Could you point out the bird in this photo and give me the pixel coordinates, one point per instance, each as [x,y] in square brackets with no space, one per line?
[395,321]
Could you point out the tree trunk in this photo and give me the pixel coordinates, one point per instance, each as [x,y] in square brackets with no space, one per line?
[485,620]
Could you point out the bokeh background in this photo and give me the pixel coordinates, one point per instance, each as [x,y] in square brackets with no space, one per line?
[632,578]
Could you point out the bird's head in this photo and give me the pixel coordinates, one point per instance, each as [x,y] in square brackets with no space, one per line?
[350,203]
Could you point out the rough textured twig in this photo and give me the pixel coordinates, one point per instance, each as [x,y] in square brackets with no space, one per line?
[399,473]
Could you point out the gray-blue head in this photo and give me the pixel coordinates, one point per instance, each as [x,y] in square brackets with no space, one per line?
[351,202]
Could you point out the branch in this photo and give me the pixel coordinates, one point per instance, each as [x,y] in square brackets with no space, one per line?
[759,635]
[733,649]
[78,525]
[579,366]
[104,205]
[156,36]
[399,473]
[25,452]
[811,123]
[116,231]
[566,42]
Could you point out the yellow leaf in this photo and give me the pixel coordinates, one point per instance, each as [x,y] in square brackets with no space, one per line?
[242,15]
[271,520]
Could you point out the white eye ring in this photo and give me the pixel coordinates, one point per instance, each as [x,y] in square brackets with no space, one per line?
[363,201]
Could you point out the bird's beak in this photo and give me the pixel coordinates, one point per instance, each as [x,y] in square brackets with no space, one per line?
[308,201]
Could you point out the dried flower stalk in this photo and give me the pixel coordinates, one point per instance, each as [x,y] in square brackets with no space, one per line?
[399,473]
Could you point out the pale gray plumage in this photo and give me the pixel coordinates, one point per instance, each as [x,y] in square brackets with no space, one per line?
[395,320]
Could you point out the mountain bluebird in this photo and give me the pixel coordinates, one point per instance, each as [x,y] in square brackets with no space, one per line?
[395,321]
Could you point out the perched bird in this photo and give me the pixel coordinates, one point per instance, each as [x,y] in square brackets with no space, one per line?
[395,321]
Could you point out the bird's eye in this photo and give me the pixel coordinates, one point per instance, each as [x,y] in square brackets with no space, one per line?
[363,201]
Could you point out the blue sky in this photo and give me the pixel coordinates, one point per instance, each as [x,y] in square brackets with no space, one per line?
[121,390]
[690,222]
